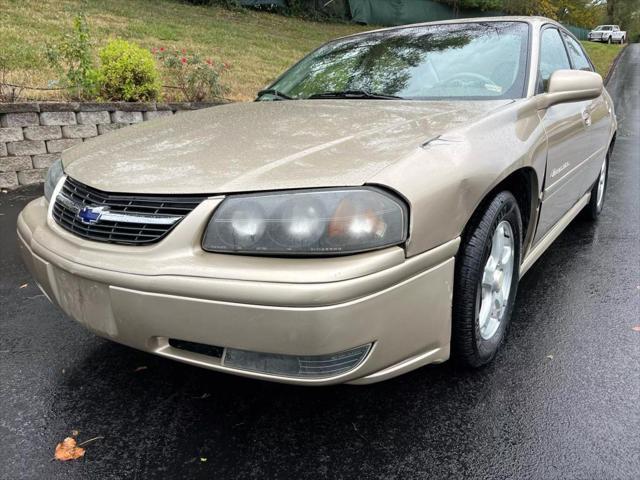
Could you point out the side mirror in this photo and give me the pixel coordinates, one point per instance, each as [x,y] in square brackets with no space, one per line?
[570,86]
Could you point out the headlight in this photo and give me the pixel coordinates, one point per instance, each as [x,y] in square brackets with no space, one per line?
[53,176]
[307,222]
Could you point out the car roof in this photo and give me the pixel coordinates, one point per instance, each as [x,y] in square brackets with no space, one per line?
[533,20]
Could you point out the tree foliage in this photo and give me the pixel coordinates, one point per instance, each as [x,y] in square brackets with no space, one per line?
[578,12]
[625,13]
[545,8]
[581,13]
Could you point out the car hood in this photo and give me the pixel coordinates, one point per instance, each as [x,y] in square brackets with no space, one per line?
[265,145]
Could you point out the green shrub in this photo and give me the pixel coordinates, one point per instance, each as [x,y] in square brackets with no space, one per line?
[128,73]
[73,60]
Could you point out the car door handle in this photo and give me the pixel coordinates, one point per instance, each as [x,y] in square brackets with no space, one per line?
[586,117]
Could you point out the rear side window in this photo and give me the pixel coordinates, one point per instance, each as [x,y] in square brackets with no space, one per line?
[578,58]
[553,56]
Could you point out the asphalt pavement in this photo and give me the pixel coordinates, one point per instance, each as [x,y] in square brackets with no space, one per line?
[561,400]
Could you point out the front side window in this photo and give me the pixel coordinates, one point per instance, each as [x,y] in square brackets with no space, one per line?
[483,60]
[553,56]
[578,57]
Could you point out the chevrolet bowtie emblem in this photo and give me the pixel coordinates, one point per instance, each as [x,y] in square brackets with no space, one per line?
[91,215]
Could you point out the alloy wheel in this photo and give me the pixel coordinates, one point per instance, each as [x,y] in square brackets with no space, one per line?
[602,181]
[495,284]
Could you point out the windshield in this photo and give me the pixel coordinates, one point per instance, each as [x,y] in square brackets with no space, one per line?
[603,27]
[484,60]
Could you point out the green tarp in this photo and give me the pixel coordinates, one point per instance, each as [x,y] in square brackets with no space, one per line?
[400,12]
[397,12]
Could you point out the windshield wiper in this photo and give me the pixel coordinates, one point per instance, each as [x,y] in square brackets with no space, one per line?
[357,94]
[272,91]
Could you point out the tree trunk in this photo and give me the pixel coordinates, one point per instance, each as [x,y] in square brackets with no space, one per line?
[611,5]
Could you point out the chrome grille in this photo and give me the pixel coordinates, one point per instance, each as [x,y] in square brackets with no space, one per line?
[119,218]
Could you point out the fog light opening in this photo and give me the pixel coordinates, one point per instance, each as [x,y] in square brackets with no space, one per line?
[301,366]
[200,348]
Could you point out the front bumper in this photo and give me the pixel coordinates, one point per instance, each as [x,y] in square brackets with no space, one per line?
[144,296]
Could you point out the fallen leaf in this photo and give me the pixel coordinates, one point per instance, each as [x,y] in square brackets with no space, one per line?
[74,433]
[139,369]
[203,459]
[550,357]
[636,328]
[24,285]
[68,450]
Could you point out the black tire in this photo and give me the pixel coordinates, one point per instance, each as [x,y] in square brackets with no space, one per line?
[593,209]
[468,347]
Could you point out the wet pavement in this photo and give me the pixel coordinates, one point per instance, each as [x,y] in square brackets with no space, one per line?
[561,400]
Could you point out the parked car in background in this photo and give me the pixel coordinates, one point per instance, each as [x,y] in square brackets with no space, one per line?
[607,34]
[371,213]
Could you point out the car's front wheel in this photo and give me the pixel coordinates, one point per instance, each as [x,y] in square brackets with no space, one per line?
[594,207]
[486,280]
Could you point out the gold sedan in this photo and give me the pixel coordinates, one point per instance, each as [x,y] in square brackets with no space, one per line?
[370,213]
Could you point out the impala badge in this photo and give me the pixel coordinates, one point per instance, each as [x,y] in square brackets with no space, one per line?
[556,171]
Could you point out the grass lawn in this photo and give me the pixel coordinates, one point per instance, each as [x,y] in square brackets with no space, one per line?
[602,55]
[258,46]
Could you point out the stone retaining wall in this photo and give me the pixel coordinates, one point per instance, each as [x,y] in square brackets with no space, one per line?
[33,135]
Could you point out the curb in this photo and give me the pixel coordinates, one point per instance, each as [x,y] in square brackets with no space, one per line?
[614,64]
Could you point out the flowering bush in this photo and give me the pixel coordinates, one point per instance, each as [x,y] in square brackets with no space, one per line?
[196,77]
[128,72]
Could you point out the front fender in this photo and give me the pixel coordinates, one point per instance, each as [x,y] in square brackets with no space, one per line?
[448,178]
